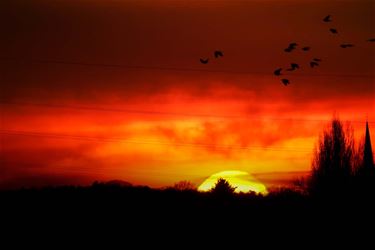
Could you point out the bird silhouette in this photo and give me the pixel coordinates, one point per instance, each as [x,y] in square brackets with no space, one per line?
[203,61]
[293,66]
[371,40]
[285,81]
[288,49]
[327,19]
[218,54]
[291,47]
[317,60]
[306,48]
[346,45]
[277,72]
[333,31]
[313,64]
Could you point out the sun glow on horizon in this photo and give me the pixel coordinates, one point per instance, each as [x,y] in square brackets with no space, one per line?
[242,181]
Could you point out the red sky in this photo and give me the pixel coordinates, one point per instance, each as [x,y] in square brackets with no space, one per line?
[72,124]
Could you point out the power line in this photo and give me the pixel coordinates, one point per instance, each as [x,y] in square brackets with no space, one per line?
[114,139]
[148,112]
[101,109]
[100,169]
[181,69]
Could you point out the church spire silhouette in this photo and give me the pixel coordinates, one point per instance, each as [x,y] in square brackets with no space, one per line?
[368,158]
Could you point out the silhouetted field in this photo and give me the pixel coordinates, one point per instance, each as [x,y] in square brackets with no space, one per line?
[137,211]
[110,200]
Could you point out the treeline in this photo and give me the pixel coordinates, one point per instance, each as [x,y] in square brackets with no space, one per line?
[340,165]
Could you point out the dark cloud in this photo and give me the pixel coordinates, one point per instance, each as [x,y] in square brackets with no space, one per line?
[167,34]
[43,180]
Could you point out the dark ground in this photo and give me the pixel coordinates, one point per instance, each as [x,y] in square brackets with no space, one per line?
[133,212]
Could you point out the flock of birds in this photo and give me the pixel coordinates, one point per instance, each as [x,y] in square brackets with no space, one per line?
[293,46]
[315,61]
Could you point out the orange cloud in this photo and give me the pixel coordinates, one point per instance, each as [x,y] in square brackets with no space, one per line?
[179,120]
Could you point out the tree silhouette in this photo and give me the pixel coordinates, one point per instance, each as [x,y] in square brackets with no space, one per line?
[365,169]
[333,158]
[222,188]
[184,186]
[366,159]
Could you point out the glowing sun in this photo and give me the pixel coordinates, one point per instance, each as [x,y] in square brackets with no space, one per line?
[242,181]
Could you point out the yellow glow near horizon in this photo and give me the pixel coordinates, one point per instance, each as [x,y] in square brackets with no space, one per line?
[242,181]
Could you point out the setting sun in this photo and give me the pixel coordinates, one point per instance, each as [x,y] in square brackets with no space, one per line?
[242,181]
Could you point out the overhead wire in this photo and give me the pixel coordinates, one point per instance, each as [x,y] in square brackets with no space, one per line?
[157,143]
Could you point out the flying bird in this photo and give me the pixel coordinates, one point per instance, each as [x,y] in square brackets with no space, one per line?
[371,40]
[333,31]
[313,64]
[317,60]
[203,61]
[327,19]
[306,48]
[291,47]
[218,54]
[293,66]
[285,81]
[277,72]
[288,49]
[346,45]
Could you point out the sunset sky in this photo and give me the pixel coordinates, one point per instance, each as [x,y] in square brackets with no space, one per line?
[113,89]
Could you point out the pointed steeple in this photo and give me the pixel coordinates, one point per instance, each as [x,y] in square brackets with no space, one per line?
[368,158]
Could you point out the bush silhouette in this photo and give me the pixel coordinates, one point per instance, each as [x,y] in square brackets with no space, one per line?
[184,186]
[222,188]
